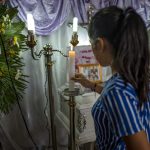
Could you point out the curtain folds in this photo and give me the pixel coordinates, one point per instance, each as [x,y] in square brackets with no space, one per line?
[49,15]
[80,7]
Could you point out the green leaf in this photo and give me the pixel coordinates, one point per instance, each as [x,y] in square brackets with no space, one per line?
[9,96]
[2,10]
[15,28]
[12,12]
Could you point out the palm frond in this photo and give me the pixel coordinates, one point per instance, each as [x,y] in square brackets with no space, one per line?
[12,42]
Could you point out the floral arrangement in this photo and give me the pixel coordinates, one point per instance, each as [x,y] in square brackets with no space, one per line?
[12,42]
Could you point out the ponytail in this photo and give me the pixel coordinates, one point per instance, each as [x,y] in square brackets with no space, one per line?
[132,52]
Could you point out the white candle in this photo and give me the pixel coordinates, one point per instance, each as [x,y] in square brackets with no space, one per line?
[75,24]
[30,23]
[71,69]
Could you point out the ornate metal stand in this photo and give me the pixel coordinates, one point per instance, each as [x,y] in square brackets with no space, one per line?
[49,64]
[72,143]
[72,104]
[48,52]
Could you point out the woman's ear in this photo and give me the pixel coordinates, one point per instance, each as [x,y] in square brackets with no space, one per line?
[100,44]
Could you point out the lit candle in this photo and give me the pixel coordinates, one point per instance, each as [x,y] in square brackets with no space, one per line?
[75,24]
[71,69]
[31,27]
[30,23]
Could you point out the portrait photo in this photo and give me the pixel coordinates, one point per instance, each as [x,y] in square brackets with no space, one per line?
[92,72]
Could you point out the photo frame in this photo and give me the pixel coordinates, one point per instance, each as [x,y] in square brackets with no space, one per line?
[92,72]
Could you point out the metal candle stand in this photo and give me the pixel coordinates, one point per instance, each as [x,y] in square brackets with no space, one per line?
[72,104]
[48,52]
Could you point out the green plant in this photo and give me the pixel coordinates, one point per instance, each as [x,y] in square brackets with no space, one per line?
[12,42]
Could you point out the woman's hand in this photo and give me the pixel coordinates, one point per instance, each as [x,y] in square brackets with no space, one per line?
[80,78]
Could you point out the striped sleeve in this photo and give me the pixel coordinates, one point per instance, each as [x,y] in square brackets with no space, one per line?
[123,113]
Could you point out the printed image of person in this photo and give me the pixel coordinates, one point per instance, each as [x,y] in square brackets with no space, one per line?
[96,74]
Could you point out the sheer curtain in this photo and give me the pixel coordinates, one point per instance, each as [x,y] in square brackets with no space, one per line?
[49,15]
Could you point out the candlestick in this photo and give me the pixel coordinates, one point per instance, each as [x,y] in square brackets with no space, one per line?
[75,24]
[31,31]
[71,70]
[30,23]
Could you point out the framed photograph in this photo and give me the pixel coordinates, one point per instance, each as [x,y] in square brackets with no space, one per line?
[92,72]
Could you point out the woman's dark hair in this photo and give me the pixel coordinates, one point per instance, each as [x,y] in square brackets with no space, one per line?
[127,33]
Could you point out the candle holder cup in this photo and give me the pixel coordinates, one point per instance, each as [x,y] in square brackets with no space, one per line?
[31,40]
[74,40]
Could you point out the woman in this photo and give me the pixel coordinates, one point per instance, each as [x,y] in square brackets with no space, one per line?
[122,112]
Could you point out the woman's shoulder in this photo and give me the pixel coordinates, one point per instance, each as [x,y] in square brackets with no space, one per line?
[117,92]
[117,84]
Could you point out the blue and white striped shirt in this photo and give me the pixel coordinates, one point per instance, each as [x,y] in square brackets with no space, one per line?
[117,114]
